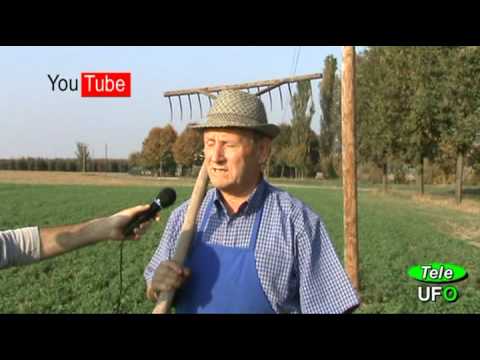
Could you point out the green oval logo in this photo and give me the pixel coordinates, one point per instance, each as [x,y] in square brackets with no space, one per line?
[437,273]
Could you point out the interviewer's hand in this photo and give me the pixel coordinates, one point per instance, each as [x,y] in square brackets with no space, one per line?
[118,221]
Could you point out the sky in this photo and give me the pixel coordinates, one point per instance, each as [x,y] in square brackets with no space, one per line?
[36,121]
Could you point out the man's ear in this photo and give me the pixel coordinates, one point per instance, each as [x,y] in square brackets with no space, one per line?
[264,147]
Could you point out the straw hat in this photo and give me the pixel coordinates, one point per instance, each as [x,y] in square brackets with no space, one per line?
[238,109]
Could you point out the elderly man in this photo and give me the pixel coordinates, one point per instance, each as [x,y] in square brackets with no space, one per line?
[257,248]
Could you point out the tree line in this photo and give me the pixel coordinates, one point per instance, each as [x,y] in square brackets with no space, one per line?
[62,164]
[82,162]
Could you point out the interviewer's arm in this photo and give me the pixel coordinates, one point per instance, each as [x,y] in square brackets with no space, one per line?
[28,245]
[62,239]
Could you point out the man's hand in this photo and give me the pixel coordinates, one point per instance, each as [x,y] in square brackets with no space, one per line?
[168,276]
[118,221]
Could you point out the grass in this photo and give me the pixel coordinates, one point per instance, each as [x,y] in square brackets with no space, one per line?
[395,233]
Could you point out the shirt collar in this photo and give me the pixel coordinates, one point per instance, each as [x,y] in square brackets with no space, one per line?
[254,201]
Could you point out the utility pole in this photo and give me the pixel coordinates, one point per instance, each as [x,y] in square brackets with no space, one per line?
[349,165]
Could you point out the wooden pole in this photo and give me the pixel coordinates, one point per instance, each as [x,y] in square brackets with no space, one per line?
[164,301]
[349,165]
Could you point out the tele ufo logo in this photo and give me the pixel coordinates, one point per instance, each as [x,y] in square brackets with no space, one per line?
[437,273]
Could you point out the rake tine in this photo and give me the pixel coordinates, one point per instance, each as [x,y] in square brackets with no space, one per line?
[270,98]
[200,103]
[209,101]
[181,108]
[171,109]
[190,104]
[281,97]
[289,90]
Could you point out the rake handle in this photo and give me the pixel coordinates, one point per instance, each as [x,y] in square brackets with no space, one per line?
[164,301]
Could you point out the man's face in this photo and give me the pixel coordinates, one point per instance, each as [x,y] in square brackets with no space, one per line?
[233,158]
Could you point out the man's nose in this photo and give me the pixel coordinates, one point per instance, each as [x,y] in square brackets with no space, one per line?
[218,154]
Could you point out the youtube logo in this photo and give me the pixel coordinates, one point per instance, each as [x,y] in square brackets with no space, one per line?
[95,84]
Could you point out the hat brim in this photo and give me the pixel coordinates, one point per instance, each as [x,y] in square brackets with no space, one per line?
[270,130]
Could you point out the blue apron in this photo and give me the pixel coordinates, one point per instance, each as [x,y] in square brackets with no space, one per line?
[224,279]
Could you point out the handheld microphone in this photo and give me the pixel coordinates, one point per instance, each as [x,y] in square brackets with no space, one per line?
[165,198]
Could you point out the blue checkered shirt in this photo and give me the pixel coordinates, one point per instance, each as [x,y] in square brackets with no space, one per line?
[295,259]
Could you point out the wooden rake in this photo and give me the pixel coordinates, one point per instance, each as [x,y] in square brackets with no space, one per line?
[261,87]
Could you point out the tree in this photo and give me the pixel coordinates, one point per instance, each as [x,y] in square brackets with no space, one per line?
[379,109]
[115,165]
[22,164]
[329,118]
[188,149]
[280,146]
[83,156]
[8,165]
[473,157]
[157,148]
[123,166]
[30,164]
[135,159]
[337,122]
[423,122]
[405,92]
[71,165]
[60,165]
[42,164]
[51,165]
[313,153]
[446,158]
[461,104]
[301,126]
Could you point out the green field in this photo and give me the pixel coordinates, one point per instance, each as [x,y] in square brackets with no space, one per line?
[394,232]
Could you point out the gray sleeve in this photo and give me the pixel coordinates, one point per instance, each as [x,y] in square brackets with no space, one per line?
[19,247]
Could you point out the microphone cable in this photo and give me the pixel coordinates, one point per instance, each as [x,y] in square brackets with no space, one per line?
[165,198]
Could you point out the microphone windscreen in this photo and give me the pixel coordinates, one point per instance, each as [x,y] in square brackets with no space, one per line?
[167,197]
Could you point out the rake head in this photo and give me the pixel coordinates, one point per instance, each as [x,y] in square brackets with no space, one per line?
[261,87]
